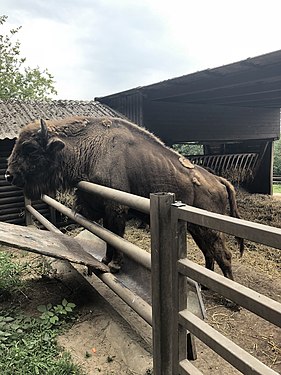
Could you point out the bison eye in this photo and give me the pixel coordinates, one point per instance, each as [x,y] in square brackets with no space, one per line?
[28,148]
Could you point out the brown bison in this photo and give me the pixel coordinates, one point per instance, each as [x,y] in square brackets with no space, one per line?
[121,155]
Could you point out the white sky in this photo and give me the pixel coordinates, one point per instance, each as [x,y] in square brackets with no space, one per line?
[100,47]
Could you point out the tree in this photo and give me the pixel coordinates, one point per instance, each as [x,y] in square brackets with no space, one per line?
[189,148]
[277,158]
[16,80]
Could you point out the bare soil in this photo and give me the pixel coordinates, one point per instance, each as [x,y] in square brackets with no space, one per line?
[115,341]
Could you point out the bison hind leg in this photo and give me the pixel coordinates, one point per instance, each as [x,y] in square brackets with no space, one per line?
[116,262]
[115,221]
[108,255]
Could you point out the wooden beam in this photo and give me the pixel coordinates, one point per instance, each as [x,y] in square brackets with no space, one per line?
[55,245]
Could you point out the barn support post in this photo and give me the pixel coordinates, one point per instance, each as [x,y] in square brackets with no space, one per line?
[164,316]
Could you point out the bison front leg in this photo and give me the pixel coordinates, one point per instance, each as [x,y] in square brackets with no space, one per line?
[115,221]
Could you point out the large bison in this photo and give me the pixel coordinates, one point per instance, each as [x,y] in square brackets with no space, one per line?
[121,155]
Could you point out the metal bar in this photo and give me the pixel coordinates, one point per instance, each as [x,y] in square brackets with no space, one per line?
[164,317]
[259,304]
[187,368]
[131,250]
[134,201]
[231,352]
[241,228]
[133,300]
[45,222]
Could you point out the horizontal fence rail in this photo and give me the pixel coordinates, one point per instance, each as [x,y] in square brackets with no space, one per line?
[131,200]
[134,301]
[131,250]
[245,297]
[258,304]
[140,306]
[228,350]
[240,228]
[277,180]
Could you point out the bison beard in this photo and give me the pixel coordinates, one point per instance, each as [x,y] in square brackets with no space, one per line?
[121,155]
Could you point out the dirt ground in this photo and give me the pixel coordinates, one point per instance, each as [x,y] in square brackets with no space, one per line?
[115,341]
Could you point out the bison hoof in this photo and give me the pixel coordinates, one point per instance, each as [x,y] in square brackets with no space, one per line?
[105,260]
[114,267]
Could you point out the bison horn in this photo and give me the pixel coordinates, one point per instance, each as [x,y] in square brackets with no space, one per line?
[44,130]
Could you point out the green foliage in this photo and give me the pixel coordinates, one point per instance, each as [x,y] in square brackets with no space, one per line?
[188,148]
[28,346]
[10,273]
[16,80]
[55,315]
[277,158]
[277,189]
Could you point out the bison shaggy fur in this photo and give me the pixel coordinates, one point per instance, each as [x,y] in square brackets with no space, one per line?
[119,154]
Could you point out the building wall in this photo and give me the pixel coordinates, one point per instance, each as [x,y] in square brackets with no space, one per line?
[130,105]
[12,206]
[11,198]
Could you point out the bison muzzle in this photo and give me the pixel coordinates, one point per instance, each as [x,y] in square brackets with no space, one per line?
[121,155]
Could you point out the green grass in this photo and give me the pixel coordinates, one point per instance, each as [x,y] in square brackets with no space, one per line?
[277,188]
[10,273]
[28,344]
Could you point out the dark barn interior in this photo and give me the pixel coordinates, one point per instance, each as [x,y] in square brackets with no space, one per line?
[232,110]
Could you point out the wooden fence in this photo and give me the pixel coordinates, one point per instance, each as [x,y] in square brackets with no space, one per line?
[169,316]
[276,179]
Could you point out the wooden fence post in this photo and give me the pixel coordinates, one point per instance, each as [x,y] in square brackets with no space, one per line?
[28,216]
[164,316]
[186,344]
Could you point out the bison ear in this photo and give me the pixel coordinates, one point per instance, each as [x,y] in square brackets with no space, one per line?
[55,145]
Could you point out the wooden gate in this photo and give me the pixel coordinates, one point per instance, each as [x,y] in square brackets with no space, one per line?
[169,316]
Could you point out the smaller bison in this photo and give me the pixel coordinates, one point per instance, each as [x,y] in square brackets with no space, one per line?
[119,154]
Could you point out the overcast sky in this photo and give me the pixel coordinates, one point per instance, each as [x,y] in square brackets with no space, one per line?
[100,47]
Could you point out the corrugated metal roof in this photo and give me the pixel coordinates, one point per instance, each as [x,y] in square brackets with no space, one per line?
[14,114]
[254,82]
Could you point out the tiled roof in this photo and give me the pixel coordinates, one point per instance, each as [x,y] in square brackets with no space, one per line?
[14,114]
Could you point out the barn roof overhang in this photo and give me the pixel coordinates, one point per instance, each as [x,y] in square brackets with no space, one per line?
[254,82]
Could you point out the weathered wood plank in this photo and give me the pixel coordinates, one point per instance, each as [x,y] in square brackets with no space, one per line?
[259,304]
[228,350]
[51,244]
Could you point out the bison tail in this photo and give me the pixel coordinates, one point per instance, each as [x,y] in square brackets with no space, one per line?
[233,209]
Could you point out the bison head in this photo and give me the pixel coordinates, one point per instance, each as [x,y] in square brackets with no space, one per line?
[33,162]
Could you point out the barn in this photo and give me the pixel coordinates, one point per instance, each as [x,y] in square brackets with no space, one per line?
[232,111]
[15,114]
